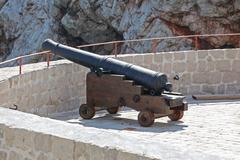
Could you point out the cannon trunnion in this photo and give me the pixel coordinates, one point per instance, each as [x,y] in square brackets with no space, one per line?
[111,91]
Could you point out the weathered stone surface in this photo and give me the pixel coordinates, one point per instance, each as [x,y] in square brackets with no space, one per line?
[230,77]
[179,56]
[4,97]
[42,143]
[2,2]
[191,66]
[211,66]
[231,54]
[221,89]
[202,54]
[186,79]
[223,65]
[9,137]
[62,3]
[216,54]
[167,68]
[191,57]
[199,78]
[80,151]
[167,57]
[158,59]
[23,139]
[195,89]
[237,5]
[1,133]
[202,66]
[232,88]
[148,59]
[130,59]
[179,67]
[4,85]
[214,77]
[62,148]
[236,65]
[208,78]
[3,155]
[15,156]
[43,157]
[209,89]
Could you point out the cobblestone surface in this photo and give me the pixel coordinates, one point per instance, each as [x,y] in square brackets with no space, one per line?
[209,130]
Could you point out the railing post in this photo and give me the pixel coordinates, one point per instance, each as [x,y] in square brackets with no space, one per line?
[154,46]
[115,49]
[239,42]
[48,59]
[20,65]
[196,43]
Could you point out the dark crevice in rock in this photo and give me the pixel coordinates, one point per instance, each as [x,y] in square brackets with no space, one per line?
[5,45]
[139,3]
[5,48]
[77,41]
[225,46]
[70,40]
[2,3]
[88,27]
[63,9]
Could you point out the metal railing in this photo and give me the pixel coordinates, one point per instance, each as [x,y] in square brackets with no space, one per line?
[20,59]
[115,44]
[154,41]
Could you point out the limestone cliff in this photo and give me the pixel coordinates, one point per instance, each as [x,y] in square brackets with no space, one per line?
[24,24]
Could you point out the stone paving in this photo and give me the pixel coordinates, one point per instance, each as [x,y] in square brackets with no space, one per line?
[209,130]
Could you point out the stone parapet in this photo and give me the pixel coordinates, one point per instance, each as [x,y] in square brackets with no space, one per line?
[201,72]
[20,139]
[41,90]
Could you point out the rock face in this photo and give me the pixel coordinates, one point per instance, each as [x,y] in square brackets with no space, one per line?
[24,24]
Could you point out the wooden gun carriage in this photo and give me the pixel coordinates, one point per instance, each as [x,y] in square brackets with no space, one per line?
[111,91]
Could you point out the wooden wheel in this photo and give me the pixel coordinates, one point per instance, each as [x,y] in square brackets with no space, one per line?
[152,92]
[86,112]
[176,115]
[113,110]
[146,118]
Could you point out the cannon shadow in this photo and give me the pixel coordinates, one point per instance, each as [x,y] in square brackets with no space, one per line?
[116,122]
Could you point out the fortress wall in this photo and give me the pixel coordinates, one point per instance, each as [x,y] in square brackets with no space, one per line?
[61,87]
[200,72]
[26,136]
[41,90]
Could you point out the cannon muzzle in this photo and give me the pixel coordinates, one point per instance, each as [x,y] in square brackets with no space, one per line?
[148,78]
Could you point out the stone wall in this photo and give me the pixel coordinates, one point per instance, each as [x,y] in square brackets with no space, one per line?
[41,90]
[200,72]
[20,139]
[61,87]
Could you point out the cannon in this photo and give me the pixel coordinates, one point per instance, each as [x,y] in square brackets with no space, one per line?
[112,83]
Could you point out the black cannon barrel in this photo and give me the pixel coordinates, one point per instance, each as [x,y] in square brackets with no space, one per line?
[146,77]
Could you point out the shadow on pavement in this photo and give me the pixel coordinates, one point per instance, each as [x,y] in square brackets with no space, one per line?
[115,122]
